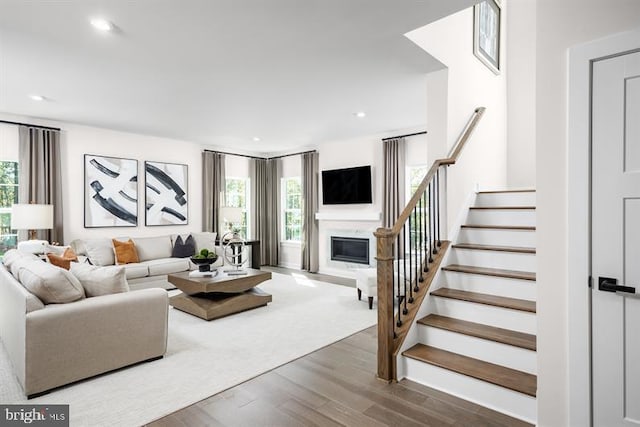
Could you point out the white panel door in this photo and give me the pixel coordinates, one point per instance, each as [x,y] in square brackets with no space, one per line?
[616,241]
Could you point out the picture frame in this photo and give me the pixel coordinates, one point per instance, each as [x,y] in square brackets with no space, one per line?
[486,33]
[110,191]
[166,193]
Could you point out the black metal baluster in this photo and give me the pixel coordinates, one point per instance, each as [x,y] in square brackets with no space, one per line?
[438,213]
[411,241]
[415,249]
[399,295]
[396,271]
[404,270]
[419,265]
[431,227]
[424,226]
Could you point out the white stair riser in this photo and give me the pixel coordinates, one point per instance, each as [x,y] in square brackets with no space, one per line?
[506,199]
[499,317]
[481,236]
[503,400]
[502,217]
[490,351]
[500,286]
[494,259]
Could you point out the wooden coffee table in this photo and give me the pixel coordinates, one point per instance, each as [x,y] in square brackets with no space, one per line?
[213,297]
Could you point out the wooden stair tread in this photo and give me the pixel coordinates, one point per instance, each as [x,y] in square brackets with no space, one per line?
[527,208]
[494,300]
[526,190]
[491,333]
[512,379]
[517,249]
[501,227]
[496,272]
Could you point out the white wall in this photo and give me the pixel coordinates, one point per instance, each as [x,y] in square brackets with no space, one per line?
[521,94]
[560,25]
[78,140]
[469,84]
[8,143]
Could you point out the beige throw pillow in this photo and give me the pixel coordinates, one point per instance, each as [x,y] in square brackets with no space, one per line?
[100,251]
[53,285]
[100,280]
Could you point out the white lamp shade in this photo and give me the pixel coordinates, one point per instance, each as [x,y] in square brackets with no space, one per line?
[31,217]
[230,214]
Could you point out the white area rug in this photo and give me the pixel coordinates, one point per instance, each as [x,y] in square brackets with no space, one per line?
[204,358]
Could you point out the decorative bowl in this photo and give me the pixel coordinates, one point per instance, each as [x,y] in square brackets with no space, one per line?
[204,264]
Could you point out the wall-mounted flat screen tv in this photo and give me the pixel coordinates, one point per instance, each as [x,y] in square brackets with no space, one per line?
[346,186]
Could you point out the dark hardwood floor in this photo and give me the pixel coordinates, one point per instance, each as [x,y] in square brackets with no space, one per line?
[334,386]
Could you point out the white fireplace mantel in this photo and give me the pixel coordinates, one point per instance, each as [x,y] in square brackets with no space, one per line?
[351,215]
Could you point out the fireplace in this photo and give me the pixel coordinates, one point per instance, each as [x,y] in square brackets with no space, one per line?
[350,249]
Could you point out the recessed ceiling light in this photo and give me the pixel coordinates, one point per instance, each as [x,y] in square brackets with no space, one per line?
[101,24]
[360,114]
[256,139]
[37,97]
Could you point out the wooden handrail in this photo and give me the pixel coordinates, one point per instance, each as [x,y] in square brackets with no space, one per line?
[451,160]
[390,339]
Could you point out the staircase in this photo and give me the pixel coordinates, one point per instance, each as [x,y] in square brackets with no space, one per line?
[478,340]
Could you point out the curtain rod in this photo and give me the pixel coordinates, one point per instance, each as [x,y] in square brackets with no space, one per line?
[28,124]
[404,136]
[262,158]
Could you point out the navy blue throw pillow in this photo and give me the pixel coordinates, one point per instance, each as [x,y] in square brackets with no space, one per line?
[184,249]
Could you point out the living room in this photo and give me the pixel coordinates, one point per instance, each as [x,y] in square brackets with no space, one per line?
[120,95]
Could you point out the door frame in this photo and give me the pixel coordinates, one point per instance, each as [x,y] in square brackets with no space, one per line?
[580,61]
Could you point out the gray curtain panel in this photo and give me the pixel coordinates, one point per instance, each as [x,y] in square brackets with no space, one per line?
[310,233]
[393,201]
[213,189]
[265,207]
[40,176]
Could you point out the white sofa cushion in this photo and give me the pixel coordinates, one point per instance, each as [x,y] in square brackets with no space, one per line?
[99,281]
[162,266]
[150,248]
[135,270]
[14,258]
[100,251]
[53,285]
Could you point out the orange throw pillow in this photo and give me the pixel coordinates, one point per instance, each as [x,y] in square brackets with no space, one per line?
[126,252]
[65,260]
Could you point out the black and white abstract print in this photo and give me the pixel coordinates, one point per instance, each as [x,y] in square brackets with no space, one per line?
[111,192]
[166,193]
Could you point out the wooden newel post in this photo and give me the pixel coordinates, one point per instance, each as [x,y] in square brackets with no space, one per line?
[384,257]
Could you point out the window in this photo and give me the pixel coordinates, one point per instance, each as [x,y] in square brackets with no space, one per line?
[237,196]
[292,209]
[415,175]
[8,196]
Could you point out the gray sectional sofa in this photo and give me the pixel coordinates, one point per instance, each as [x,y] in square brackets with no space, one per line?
[55,344]
[154,254]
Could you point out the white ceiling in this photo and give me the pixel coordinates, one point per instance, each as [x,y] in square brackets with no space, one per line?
[221,72]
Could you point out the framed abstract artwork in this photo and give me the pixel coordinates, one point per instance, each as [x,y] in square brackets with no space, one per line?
[165,194]
[110,191]
[486,33]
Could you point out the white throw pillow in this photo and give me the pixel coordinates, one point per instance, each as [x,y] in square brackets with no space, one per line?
[53,285]
[149,248]
[205,240]
[100,251]
[100,280]
[14,258]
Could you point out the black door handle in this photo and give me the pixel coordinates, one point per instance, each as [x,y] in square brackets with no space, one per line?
[609,284]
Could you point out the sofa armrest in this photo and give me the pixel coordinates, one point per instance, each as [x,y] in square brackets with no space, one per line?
[69,342]
[13,312]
